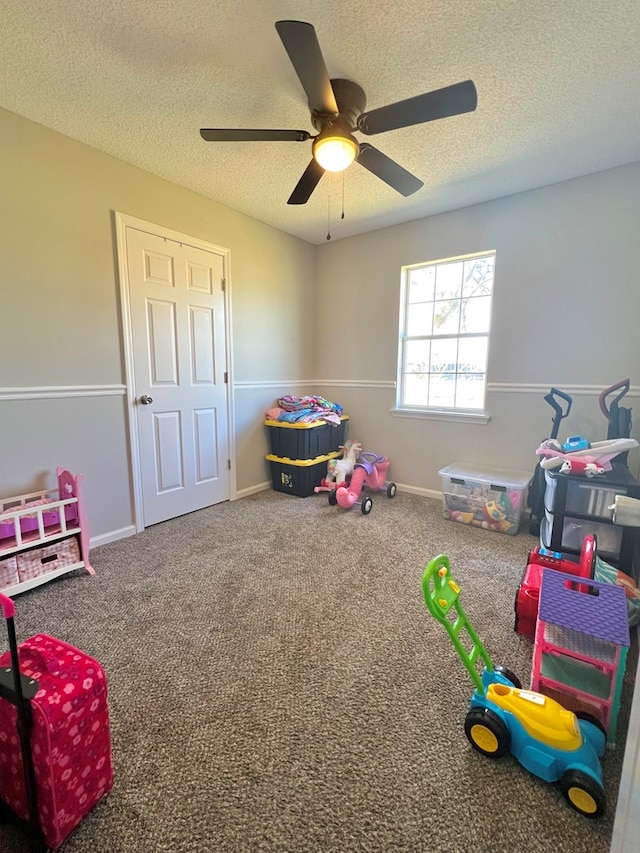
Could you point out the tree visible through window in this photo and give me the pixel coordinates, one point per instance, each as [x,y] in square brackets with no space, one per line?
[444,334]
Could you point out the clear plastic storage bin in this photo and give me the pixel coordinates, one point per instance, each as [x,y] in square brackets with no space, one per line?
[492,498]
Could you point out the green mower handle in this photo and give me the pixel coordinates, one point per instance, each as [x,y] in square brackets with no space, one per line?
[441,594]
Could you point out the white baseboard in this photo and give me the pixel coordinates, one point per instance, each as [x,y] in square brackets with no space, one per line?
[260,487]
[112,536]
[417,490]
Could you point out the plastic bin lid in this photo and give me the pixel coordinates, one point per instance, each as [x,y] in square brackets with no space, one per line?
[515,479]
[302,424]
[303,463]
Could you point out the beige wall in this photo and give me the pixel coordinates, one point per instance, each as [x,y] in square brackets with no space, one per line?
[59,315]
[565,313]
[304,318]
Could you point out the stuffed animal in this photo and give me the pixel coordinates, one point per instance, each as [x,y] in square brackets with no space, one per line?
[332,464]
[340,469]
[579,466]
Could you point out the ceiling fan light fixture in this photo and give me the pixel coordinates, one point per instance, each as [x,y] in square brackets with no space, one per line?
[338,109]
[335,151]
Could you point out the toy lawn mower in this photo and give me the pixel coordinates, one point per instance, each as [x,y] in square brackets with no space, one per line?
[547,739]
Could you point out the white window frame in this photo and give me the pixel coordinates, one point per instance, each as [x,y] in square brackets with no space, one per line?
[426,411]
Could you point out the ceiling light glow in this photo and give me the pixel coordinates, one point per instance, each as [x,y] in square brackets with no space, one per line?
[334,152]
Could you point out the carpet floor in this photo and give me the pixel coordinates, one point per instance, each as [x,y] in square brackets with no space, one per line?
[276,685]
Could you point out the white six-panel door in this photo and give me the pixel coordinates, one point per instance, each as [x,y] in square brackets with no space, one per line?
[177,317]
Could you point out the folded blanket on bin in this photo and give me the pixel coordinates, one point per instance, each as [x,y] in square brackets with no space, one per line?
[308,408]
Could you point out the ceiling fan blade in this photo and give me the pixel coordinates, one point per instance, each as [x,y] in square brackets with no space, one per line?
[388,170]
[450,101]
[301,43]
[307,183]
[213,134]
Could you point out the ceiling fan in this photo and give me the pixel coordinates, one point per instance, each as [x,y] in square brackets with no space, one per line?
[338,110]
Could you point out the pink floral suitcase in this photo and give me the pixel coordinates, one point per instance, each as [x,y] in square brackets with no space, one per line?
[55,744]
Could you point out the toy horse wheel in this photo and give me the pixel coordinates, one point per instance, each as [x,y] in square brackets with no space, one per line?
[391,490]
[486,732]
[366,506]
[333,498]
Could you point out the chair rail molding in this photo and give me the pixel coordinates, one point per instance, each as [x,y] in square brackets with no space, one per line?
[573,390]
[316,383]
[50,392]
[492,387]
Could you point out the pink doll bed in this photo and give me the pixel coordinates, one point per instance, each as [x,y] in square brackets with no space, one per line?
[43,535]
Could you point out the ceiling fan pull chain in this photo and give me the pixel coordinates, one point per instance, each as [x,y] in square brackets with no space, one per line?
[342,217]
[328,217]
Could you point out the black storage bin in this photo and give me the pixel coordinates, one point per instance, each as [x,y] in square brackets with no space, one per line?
[298,476]
[576,506]
[305,441]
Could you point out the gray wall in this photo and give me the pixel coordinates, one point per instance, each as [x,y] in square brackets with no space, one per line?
[565,313]
[60,323]
[303,318]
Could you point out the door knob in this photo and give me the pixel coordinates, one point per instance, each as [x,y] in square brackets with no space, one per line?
[146,399]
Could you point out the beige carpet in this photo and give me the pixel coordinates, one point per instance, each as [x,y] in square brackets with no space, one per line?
[277,684]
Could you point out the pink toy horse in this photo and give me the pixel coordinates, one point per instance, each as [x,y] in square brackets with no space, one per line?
[370,471]
[339,469]
[344,467]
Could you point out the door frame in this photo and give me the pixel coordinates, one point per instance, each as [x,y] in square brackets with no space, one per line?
[122,222]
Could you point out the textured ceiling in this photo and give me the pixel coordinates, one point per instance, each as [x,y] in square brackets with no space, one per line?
[558,94]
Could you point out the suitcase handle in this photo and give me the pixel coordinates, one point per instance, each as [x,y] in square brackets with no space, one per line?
[24,714]
[24,688]
[8,607]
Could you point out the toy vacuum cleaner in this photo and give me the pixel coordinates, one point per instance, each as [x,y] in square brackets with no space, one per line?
[547,739]
[535,499]
[619,418]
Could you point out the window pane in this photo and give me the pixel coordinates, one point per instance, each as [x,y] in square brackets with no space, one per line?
[416,389]
[470,390]
[417,356]
[442,391]
[421,284]
[475,314]
[449,280]
[444,354]
[446,317]
[420,319]
[478,277]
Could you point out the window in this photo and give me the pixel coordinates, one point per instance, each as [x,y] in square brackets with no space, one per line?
[444,334]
